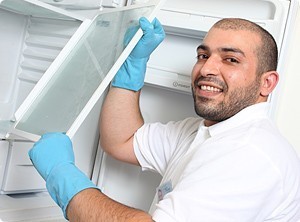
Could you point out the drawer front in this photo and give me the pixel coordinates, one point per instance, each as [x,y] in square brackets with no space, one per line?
[21,176]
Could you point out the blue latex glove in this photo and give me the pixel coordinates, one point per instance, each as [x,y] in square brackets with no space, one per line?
[131,75]
[53,158]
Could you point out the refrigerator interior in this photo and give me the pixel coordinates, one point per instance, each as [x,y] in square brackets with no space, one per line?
[32,36]
[85,137]
[30,44]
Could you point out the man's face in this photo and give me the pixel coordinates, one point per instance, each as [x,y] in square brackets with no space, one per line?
[224,79]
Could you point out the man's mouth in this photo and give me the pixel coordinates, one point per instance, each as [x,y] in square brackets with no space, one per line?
[209,88]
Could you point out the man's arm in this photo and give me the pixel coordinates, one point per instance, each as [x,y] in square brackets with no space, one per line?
[91,205]
[120,115]
[120,118]
[71,189]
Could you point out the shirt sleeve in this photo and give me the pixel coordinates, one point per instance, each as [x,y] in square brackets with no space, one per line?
[155,143]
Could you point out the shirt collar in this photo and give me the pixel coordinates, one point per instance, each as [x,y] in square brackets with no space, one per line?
[248,114]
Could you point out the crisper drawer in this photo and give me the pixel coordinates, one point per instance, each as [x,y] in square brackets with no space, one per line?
[21,176]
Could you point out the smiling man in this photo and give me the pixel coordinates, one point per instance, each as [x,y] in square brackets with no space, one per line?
[236,68]
[230,164]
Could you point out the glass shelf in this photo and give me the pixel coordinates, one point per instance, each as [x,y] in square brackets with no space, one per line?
[80,74]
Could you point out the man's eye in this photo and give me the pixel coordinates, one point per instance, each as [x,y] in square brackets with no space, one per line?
[232,60]
[202,56]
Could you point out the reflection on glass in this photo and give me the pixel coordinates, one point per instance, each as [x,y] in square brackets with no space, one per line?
[77,78]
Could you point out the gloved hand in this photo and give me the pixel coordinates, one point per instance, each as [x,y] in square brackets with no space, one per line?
[53,158]
[131,75]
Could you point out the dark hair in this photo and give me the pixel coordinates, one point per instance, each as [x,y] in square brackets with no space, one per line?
[267,52]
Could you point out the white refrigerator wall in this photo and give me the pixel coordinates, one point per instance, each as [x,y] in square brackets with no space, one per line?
[288,108]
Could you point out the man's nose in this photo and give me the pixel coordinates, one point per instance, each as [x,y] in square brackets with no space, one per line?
[211,66]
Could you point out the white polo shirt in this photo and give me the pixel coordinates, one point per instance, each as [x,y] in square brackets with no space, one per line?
[240,169]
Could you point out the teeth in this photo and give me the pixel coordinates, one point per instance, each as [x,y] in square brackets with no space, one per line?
[210,88]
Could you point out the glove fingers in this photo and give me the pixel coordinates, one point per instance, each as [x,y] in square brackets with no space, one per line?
[152,31]
[158,27]
[145,24]
[155,26]
[148,30]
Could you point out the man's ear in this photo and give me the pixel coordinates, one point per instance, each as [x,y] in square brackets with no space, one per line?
[269,82]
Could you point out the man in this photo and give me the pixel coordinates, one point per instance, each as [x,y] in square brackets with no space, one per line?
[232,166]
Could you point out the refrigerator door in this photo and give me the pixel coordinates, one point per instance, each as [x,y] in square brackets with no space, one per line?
[80,74]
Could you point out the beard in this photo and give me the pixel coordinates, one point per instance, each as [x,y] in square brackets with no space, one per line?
[237,100]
